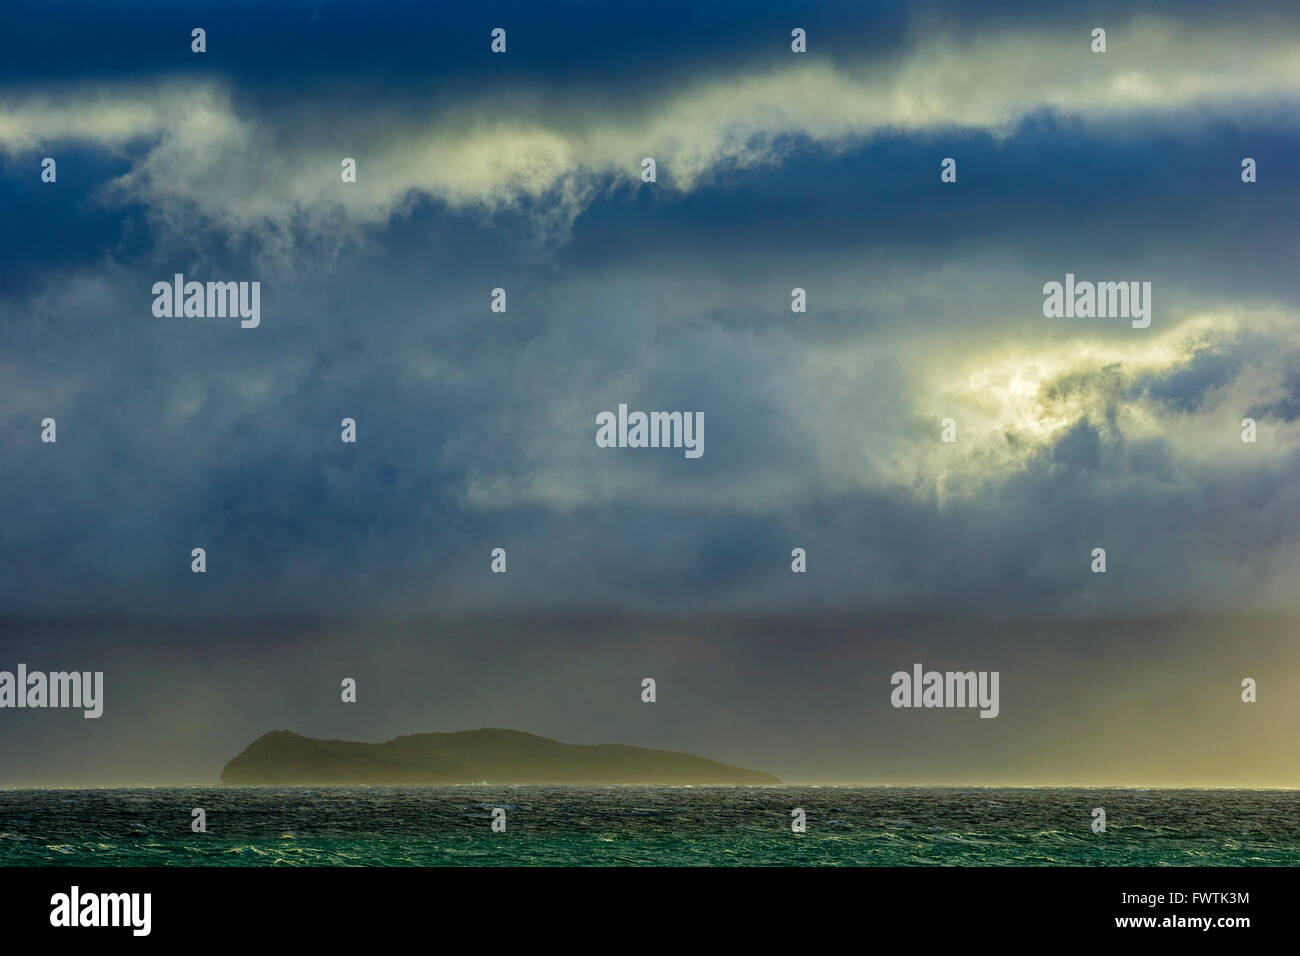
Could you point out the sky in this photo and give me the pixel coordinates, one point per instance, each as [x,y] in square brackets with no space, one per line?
[476,429]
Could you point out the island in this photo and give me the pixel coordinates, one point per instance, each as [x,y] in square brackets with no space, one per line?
[282,758]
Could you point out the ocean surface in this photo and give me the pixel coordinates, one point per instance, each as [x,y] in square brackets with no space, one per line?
[620,826]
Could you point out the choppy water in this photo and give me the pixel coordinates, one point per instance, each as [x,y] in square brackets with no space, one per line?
[643,825]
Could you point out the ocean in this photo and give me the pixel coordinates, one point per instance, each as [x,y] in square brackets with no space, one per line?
[653,826]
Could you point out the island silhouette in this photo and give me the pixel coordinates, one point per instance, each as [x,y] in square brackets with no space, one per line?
[493,755]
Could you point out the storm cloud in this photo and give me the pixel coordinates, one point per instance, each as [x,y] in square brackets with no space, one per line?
[776,171]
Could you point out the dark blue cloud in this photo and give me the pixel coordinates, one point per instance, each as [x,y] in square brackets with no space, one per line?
[176,434]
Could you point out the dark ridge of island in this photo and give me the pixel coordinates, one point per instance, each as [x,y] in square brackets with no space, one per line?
[471,756]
